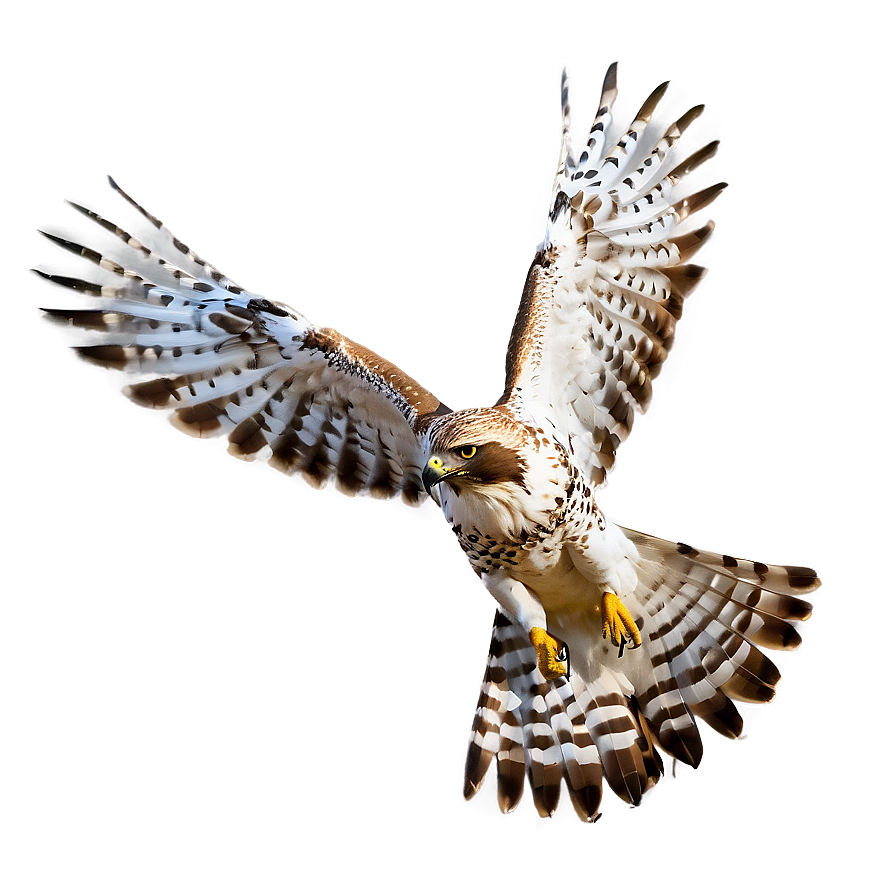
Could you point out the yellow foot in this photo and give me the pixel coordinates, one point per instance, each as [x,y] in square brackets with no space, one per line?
[618,622]
[553,657]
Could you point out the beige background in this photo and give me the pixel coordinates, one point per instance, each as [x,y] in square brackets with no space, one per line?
[216,680]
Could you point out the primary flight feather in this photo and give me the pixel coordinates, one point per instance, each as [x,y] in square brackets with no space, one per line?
[607,642]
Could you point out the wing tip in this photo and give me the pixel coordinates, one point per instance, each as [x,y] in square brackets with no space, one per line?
[649,105]
[610,76]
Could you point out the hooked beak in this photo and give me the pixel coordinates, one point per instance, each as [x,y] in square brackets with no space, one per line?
[435,472]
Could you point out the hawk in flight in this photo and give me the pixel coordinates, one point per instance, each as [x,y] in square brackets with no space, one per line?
[607,642]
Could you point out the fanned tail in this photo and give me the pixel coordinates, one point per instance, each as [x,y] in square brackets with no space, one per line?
[703,618]
[535,728]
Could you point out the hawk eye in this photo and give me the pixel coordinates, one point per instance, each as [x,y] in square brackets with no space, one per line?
[466,451]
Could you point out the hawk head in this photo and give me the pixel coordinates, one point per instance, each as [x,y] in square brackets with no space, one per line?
[493,471]
[468,453]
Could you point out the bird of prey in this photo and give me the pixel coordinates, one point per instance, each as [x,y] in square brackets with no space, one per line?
[607,642]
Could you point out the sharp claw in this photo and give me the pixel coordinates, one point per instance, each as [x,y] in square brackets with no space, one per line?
[619,626]
[563,657]
[550,653]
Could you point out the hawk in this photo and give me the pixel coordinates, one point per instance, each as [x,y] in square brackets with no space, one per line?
[607,643]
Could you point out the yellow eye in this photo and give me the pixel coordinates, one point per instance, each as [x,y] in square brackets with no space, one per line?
[466,451]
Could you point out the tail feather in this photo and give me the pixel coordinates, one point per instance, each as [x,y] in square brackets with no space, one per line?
[511,765]
[720,714]
[653,762]
[581,759]
[668,706]
[544,764]
[486,739]
[672,723]
[617,736]
[534,728]
[497,732]
[704,619]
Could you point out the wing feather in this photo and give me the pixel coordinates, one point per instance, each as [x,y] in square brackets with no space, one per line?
[226,361]
[606,289]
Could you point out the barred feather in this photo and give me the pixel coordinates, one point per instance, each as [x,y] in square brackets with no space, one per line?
[702,618]
[607,286]
[596,323]
[544,736]
[229,362]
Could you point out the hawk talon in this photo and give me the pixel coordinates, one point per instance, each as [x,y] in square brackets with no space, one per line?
[563,657]
[518,500]
[552,655]
[618,622]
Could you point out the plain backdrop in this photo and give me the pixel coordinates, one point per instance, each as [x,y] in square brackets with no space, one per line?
[214,679]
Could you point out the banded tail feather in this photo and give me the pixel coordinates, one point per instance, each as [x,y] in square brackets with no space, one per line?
[686,631]
[704,620]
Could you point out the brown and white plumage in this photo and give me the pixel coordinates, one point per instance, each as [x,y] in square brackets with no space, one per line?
[705,617]
[608,282]
[229,362]
[608,642]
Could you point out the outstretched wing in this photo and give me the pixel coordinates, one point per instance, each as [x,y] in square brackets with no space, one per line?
[229,362]
[605,291]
